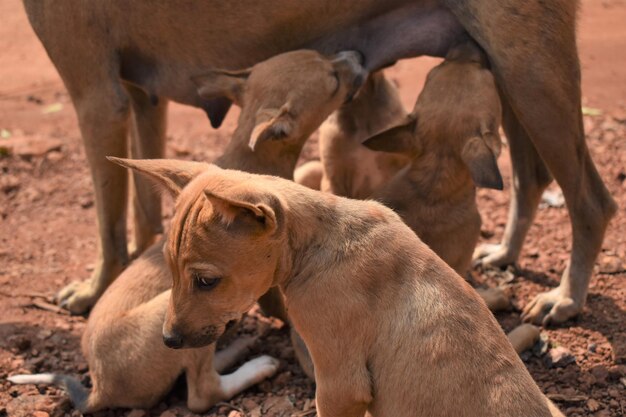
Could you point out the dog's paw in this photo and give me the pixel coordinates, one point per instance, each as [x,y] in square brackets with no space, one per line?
[552,307]
[77,297]
[264,366]
[490,254]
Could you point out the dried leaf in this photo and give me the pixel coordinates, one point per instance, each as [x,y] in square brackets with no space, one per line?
[53,108]
[590,111]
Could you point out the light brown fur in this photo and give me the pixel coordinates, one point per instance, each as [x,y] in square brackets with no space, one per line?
[279,113]
[117,59]
[392,330]
[347,168]
[452,141]
[283,99]
[129,364]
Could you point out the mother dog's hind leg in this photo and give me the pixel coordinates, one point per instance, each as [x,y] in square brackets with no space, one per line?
[532,49]
[529,180]
[147,142]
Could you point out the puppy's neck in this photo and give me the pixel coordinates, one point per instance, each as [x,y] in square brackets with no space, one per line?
[324,230]
[271,157]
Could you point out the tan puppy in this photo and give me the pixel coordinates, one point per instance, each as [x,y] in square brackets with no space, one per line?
[452,140]
[392,329]
[129,364]
[347,168]
[283,100]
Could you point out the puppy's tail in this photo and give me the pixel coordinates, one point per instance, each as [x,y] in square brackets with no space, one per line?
[79,395]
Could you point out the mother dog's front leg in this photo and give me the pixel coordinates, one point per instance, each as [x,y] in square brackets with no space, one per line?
[532,49]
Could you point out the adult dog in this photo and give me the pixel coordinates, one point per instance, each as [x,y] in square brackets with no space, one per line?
[120,59]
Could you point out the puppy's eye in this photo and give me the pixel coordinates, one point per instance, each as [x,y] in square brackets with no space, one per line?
[205,283]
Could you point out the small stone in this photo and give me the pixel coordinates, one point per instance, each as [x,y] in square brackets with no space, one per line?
[40,414]
[136,413]
[559,357]
[54,156]
[617,371]
[44,334]
[600,373]
[249,404]
[235,413]
[552,198]
[611,264]
[593,405]
[167,413]
[86,202]
[278,407]
[9,183]
[282,379]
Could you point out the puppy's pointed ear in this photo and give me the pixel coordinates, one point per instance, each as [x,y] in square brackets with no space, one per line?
[480,154]
[170,173]
[237,211]
[399,139]
[222,83]
[272,124]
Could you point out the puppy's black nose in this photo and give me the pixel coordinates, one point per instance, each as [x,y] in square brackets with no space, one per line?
[173,341]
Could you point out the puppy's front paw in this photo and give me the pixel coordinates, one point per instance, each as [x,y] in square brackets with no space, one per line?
[490,254]
[264,366]
[551,307]
[77,297]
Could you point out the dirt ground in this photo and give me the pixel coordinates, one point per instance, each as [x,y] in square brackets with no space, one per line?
[48,236]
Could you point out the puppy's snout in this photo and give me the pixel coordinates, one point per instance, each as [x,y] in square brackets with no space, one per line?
[172,340]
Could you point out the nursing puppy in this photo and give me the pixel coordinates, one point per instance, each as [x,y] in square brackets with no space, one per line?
[128,362]
[452,141]
[391,328]
[346,167]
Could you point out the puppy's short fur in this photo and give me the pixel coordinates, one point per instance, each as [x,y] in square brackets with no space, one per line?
[391,328]
[283,100]
[347,168]
[129,364]
[452,140]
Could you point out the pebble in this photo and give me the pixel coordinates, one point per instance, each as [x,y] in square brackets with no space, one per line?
[9,183]
[249,404]
[600,374]
[136,413]
[593,405]
[559,357]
